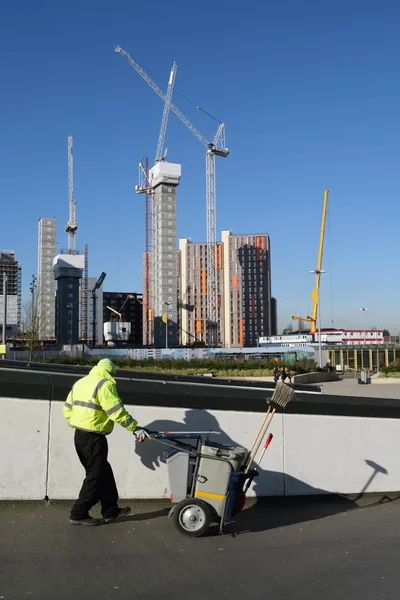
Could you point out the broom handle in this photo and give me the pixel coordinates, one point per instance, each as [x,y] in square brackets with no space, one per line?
[260,430]
[253,454]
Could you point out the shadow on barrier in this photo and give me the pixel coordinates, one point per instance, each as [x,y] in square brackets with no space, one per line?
[263,512]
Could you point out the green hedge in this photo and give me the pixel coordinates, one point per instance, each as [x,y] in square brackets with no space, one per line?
[197,365]
[393,368]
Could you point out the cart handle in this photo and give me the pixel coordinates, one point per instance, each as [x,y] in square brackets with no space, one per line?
[190,432]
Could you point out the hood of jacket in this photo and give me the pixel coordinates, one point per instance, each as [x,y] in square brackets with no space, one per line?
[101,373]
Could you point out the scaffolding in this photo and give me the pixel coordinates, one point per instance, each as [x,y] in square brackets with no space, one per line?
[10,266]
[148,332]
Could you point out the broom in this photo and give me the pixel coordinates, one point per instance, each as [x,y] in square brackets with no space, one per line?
[282,395]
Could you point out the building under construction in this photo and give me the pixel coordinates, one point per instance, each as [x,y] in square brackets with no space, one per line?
[46,289]
[9,266]
[164,178]
[68,270]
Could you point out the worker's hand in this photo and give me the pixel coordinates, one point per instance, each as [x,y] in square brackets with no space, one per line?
[141,434]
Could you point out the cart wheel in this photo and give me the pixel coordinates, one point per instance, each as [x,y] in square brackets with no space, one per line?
[192,517]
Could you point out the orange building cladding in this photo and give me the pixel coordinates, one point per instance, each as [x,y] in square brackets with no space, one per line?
[193,292]
[247,289]
[243,290]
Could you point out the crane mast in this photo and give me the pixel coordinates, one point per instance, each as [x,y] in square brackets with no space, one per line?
[213,149]
[318,271]
[160,155]
[72,225]
[211,209]
[315,292]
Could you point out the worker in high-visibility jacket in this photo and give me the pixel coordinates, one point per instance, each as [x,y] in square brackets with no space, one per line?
[92,407]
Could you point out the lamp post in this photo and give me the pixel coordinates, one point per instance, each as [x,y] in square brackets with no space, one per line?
[318,272]
[166,323]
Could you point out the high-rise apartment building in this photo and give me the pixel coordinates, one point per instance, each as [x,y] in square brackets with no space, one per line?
[68,270]
[46,290]
[247,288]
[10,267]
[164,178]
[193,292]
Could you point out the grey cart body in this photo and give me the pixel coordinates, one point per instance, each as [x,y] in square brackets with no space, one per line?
[206,480]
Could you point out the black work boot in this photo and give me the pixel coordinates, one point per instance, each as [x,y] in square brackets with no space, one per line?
[121,512]
[88,522]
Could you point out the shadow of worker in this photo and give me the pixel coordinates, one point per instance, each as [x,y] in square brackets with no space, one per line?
[268,509]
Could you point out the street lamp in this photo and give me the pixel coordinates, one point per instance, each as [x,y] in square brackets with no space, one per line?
[319,272]
[166,324]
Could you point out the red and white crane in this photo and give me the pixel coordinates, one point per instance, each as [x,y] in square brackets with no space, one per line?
[215,148]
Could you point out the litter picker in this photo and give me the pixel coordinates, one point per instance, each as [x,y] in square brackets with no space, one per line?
[267,443]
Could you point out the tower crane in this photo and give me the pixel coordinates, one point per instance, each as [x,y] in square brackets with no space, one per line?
[213,149]
[318,271]
[145,188]
[72,225]
[160,155]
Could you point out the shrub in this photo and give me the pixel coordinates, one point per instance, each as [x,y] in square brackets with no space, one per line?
[225,368]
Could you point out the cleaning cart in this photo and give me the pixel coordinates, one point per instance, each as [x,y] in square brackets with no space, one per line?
[207,481]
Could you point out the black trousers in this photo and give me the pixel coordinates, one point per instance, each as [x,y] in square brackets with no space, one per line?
[99,484]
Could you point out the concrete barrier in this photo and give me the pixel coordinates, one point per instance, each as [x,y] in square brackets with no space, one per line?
[317,377]
[322,444]
[23,448]
[310,454]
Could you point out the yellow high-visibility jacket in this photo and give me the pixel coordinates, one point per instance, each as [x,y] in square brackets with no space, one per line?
[93,404]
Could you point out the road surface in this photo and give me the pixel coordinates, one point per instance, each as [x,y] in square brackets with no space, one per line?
[289,550]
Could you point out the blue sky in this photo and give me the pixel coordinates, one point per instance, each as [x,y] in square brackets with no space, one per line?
[310,93]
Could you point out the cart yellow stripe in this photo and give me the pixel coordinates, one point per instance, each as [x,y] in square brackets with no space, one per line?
[208,495]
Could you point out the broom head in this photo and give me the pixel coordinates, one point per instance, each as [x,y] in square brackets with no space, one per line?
[282,395]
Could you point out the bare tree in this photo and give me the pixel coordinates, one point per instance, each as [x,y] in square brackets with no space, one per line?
[31,322]
[301,325]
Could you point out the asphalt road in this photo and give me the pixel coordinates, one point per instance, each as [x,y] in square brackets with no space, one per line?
[293,550]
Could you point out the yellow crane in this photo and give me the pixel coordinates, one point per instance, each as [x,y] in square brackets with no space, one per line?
[317,271]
